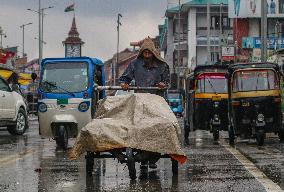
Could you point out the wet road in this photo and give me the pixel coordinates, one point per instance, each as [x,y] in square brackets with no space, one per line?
[29,163]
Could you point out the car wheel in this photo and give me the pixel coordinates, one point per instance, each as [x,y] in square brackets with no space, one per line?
[21,123]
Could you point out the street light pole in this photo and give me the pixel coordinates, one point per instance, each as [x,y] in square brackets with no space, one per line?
[39,33]
[41,14]
[23,27]
[263,30]
[117,49]
[178,63]
[208,35]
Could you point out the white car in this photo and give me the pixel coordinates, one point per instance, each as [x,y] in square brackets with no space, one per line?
[13,110]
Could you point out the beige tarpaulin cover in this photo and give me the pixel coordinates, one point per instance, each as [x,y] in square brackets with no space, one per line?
[140,121]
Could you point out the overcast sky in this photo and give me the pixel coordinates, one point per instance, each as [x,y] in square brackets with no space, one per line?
[96,23]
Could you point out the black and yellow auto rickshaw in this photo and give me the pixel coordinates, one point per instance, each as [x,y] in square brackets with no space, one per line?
[254,101]
[206,103]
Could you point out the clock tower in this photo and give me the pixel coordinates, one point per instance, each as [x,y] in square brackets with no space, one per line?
[73,42]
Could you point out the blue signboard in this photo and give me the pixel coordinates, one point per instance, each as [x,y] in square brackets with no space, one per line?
[255,42]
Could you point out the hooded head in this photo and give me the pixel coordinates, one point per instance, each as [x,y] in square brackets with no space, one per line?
[149,46]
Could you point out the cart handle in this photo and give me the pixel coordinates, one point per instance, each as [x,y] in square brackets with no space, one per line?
[100,88]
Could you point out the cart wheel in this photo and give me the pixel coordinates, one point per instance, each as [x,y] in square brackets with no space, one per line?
[215,133]
[281,136]
[260,137]
[62,137]
[174,167]
[89,163]
[131,164]
[231,136]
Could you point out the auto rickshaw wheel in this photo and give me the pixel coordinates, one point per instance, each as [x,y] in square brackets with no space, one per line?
[89,163]
[62,137]
[131,164]
[231,136]
[174,167]
[216,134]
[260,137]
[281,136]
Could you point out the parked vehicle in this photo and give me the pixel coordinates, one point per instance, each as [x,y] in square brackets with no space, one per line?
[206,100]
[13,109]
[174,98]
[254,101]
[67,99]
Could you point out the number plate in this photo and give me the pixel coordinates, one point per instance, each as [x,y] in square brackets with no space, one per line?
[245,104]
[62,101]
[216,98]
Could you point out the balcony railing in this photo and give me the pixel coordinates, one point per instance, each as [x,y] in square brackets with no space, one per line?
[183,37]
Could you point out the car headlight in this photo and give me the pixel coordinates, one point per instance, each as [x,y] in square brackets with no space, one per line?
[260,117]
[42,107]
[84,106]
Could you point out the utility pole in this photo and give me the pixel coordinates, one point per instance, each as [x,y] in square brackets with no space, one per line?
[117,49]
[208,35]
[39,33]
[178,60]
[263,30]
[221,33]
[23,27]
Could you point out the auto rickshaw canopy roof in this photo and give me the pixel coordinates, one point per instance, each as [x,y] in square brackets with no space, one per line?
[22,78]
[234,67]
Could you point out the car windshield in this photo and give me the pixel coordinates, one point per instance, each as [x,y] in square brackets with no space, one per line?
[212,84]
[254,80]
[65,77]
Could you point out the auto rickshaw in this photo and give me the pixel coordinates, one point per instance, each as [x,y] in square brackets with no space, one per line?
[254,101]
[206,103]
[67,99]
[174,98]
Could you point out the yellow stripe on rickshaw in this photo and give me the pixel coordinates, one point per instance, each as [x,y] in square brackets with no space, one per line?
[272,93]
[211,95]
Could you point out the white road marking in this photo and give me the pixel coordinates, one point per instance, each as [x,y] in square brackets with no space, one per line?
[268,184]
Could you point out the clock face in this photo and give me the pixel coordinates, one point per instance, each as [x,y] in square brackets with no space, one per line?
[73,51]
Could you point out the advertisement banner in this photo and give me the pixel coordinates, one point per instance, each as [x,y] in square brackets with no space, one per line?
[252,8]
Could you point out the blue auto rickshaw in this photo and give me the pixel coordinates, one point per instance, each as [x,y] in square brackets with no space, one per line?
[174,98]
[67,98]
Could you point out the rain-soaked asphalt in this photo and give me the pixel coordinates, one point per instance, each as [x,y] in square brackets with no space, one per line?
[29,163]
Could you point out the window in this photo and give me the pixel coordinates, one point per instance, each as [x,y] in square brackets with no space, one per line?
[281,6]
[3,85]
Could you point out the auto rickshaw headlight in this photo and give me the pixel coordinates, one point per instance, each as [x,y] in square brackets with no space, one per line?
[260,117]
[84,106]
[42,107]
[216,104]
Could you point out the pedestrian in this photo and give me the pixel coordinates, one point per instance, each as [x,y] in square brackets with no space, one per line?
[149,69]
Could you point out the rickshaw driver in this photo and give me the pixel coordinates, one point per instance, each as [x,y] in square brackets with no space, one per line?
[149,69]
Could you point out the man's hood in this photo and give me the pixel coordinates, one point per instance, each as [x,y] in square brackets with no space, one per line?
[149,45]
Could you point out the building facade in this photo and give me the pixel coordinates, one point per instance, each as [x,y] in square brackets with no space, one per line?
[200,38]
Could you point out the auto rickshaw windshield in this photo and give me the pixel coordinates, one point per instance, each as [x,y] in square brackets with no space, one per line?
[254,80]
[65,77]
[212,84]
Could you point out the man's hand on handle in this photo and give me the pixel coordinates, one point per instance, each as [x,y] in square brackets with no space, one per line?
[124,86]
[161,85]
